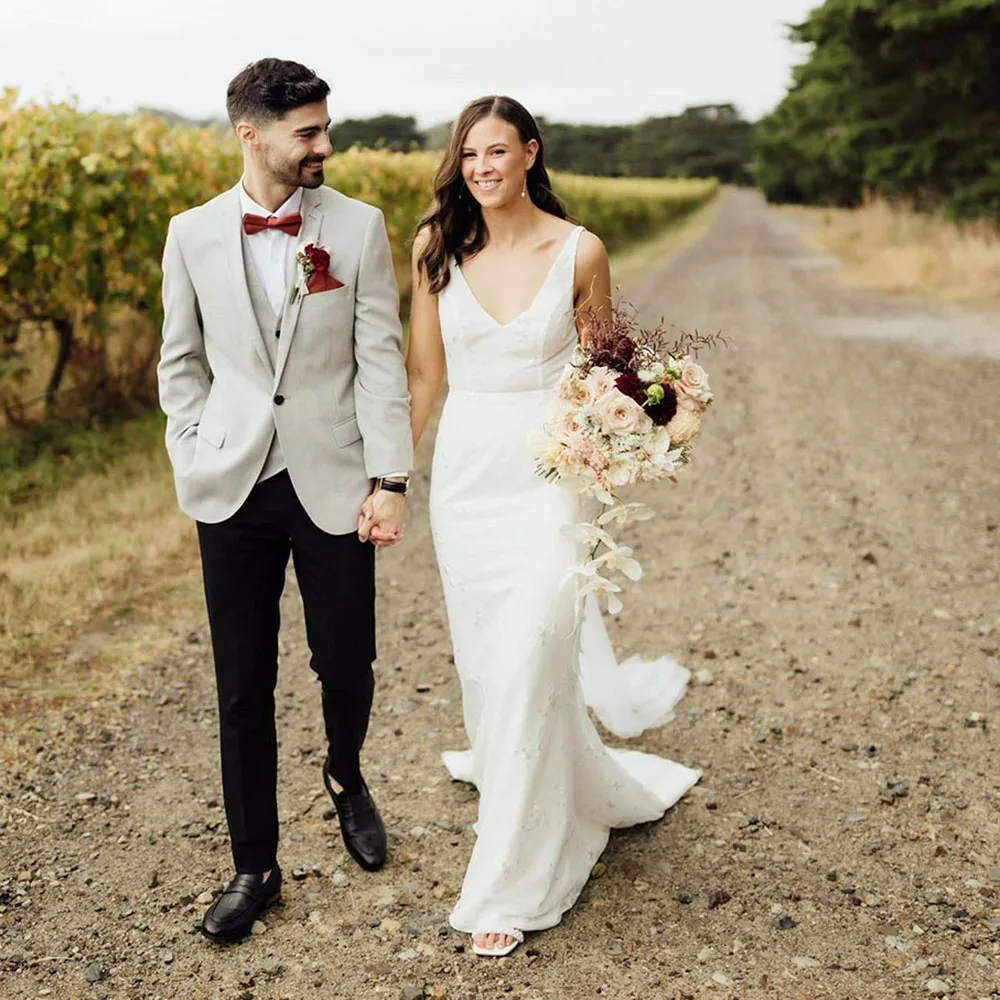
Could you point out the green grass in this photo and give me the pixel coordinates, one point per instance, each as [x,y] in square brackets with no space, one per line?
[38,462]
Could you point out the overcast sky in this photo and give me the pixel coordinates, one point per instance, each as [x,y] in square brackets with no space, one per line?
[569,60]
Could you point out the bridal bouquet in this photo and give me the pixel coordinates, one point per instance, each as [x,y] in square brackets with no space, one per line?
[628,409]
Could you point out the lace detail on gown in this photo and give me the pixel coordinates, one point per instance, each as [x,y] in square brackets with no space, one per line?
[549,789]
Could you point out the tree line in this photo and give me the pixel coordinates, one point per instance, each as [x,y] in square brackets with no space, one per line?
[705,141]
[897,97]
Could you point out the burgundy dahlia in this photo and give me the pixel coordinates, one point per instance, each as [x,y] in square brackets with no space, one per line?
[662,413]
[629,384]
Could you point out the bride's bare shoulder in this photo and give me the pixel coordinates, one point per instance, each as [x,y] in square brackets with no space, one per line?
[555,235]
[590,252]
[557,230]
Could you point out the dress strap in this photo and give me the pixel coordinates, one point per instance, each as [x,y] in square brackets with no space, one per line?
[568,262]
[574,241]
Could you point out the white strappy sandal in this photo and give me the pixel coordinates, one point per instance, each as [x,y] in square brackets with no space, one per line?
[503,949]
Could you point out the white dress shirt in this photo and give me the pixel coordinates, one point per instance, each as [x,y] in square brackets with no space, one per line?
[272,249]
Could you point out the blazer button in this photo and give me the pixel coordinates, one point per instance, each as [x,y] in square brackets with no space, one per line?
[279,399]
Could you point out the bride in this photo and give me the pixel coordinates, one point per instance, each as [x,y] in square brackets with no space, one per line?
[499,280]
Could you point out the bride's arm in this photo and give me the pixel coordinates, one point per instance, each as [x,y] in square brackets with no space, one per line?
[592,294]
[425,360]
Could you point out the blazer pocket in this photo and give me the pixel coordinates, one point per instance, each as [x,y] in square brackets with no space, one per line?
[212,430]
[339,290]
[331,296]
[347,432]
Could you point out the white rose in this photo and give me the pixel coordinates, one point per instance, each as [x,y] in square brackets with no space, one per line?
[683,426]
[621,415]
[601,381]
[567,425]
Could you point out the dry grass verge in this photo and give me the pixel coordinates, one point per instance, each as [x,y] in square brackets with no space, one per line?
[90,570]
[895,249]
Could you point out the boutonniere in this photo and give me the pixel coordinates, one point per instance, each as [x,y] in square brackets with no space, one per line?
[314,270]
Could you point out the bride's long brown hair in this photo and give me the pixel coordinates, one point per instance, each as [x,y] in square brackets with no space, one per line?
[455,223]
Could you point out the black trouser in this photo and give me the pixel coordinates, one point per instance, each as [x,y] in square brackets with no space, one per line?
[243,562]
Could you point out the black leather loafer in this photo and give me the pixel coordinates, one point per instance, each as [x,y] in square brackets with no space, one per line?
[360,824]
[232,915]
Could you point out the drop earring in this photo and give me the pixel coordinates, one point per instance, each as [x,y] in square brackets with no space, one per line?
[524,190]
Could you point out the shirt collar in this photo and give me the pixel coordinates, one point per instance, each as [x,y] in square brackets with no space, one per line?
[293,205]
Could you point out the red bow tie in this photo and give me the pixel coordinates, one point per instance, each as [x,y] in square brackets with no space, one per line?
[286,223]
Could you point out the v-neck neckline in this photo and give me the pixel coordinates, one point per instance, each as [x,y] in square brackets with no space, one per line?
[538,294]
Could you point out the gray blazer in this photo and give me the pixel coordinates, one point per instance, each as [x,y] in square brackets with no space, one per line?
[335,393]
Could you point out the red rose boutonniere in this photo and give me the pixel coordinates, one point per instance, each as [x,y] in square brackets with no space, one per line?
[314,265]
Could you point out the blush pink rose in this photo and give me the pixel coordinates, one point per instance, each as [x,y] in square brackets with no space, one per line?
[694,382]
[621,415]
[577,392]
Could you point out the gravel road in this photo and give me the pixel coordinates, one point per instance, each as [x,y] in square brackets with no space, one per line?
[829,571]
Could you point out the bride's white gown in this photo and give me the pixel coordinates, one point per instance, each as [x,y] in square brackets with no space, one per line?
[549,789]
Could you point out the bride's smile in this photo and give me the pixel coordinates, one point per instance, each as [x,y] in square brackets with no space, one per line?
[495,163]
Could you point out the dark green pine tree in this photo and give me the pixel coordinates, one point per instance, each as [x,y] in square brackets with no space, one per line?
[396,132]
[708,141]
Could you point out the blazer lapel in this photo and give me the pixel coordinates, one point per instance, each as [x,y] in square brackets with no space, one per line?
[231,237]
[312,225]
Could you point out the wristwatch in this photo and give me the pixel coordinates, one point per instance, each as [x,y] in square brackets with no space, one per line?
[393,484]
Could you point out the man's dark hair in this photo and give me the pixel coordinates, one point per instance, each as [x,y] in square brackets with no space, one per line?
[268,89]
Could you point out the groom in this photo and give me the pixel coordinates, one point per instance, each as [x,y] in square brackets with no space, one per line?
[288,431]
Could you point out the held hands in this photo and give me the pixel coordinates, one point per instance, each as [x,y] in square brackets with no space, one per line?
[381,519]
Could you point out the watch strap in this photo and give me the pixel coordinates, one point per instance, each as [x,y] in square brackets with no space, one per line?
[392,485]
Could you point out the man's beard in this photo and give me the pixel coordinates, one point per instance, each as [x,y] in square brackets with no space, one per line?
[294,174]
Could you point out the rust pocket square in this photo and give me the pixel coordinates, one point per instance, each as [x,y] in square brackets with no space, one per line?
[322,281]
